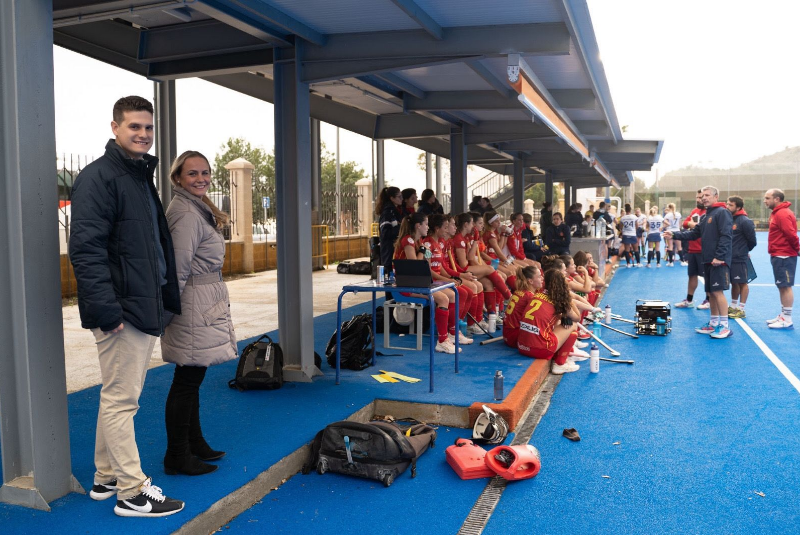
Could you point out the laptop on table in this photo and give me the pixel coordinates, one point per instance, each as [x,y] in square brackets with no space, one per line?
[413,273]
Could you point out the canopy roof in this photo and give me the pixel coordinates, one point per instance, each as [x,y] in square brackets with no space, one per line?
[521,79]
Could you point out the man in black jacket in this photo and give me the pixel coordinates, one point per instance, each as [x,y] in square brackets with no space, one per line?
[715,230]
[743,241]
[121,251]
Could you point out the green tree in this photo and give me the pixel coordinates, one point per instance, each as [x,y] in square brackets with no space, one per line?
[263,174]
[350,171]
[536,193]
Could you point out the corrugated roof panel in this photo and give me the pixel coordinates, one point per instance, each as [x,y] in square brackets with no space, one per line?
[586,115]
[347,16]
[482,13]
[447,77]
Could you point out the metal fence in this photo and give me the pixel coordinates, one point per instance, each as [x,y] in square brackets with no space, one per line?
[344,221]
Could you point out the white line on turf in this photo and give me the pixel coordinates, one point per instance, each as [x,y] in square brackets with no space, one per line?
[792,378]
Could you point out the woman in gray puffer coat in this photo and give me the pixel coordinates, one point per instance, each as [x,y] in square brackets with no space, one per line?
[203,334]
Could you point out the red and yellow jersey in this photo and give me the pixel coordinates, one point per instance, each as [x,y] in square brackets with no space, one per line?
[459,242]
[517,306]
[514,244]
[400,254]
[536,325]
[437,255]
[487,236]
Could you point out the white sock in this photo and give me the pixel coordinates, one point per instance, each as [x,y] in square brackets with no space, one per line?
[741,306]
[786,312]
[714,321]
[723,320]
[735,303]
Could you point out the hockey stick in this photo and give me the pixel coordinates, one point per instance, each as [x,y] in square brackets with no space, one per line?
[614,352]
[620,318]
[491,340]
[617,330]
[617,360]
[487,333]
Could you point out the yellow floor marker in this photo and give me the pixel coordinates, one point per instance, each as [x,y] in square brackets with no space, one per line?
[383,378]
[405,378]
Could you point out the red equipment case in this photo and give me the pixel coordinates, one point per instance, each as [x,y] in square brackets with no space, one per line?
[467,459]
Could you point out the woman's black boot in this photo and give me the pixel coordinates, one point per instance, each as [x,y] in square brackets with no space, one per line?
[178,414]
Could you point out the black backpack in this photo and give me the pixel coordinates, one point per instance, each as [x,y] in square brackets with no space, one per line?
[376,450]
[260,367]
[356,344]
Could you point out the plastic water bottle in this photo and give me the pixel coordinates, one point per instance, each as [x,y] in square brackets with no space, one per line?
[661,327]
[594,359]
[379,277]
[462,326]
[492,323]
[391,278]
[498,385]
[596,328]
[608,313]
[495,263]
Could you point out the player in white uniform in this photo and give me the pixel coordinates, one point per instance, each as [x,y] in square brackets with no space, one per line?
[654,225]
[630,241]
[641,223]
[672,221]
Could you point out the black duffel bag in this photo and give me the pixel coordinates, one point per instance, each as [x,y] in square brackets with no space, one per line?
[356,344]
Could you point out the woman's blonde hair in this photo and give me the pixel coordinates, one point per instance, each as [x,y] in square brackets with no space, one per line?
[653,210]
[220,217]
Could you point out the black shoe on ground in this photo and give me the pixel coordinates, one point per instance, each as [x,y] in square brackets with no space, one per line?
[149,502]
[186,464]
[102,491]
[204,452]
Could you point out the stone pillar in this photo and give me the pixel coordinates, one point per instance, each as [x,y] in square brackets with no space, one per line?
[241,177]
[528,206]
[366,206]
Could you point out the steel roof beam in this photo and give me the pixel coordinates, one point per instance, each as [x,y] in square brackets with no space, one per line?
[279,19]
[592,128]
[196,39]
[461,100]
[210,65]
[107,41]
[421,17]
[401,83]
[623,146]
[488,76]
[348,55]
[225,12]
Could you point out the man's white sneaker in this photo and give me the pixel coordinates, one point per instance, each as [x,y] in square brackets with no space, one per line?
[101,491]
[581,345]
[149,502]
[684,304]
[684,264]
[567,367]
[775,319]
[705,305]
[782,323]
[578,355]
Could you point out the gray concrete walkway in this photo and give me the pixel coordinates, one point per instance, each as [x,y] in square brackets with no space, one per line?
[254,308]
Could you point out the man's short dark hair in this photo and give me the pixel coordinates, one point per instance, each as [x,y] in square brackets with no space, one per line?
[738,201]
[778,194]
[131,103]
[558,214]
[602,205]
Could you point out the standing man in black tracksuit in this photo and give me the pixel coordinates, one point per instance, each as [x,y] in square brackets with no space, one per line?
[744,240]
[715,230]
[121,251]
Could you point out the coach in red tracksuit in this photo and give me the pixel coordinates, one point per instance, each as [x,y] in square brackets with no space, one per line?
[783,248]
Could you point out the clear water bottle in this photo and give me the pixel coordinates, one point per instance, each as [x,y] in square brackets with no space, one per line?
[492,323]
[391,278]
[608,313]
[594,359]
[498,385]
[379,276]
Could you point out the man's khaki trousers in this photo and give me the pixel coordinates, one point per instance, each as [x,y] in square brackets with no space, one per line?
[124,357]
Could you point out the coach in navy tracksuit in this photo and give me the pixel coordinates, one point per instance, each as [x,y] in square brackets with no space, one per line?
[744,240]
[715,229]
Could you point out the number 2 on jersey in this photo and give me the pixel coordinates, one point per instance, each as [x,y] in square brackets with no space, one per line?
[533,307]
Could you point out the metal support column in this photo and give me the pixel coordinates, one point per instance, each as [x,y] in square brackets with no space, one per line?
[439,178]
[548,187]
[379,163]
[518,184]
[428,171]
[316,171]
[458,172]
[293,192]
[34,440]
[166,135]
[567,196]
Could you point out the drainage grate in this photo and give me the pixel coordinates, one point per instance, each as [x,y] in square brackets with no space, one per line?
[486,503]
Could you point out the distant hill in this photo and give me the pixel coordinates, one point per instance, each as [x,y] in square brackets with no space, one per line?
[785,161]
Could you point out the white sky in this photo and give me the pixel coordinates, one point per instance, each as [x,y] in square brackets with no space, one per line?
[717,80]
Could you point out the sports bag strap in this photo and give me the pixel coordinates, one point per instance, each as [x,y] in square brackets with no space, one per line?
[311,462]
